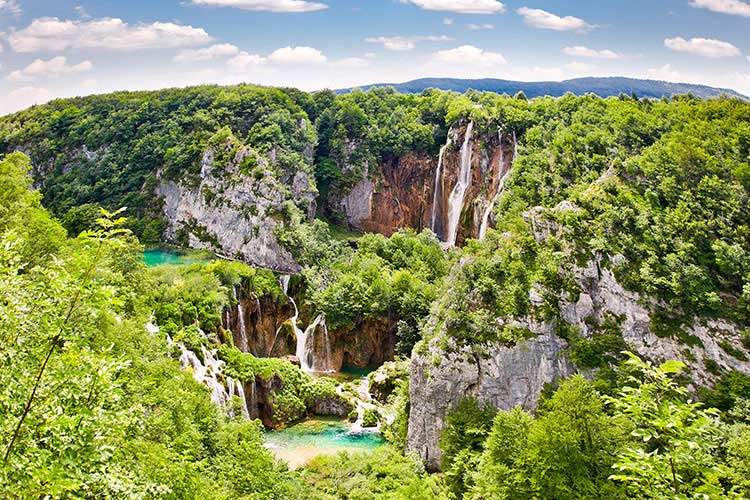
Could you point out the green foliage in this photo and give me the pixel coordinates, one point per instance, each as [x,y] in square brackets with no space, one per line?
[383,474]
[672,456]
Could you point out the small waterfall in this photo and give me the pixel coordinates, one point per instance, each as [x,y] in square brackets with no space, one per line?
[284,282]
[515,146]
[486,216]
[456,199]
[437,194]
[243,343]
[305,350]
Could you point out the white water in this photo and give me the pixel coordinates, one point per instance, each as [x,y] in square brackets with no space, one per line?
[456,199]
[436,193]
[500,167]
[515,146]
[305,338]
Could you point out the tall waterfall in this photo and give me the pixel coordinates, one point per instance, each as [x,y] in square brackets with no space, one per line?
[488,212]
[515,146]
[456,200]
[437,194]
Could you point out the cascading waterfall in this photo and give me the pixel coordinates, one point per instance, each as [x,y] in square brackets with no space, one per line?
[209,373]
[438,192]
[486,216]
[515,146]
[456,199]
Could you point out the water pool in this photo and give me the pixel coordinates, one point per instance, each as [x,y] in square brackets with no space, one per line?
[299,443]
[159,256]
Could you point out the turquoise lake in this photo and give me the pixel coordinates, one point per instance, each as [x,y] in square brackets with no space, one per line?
[159,256]
[299,443]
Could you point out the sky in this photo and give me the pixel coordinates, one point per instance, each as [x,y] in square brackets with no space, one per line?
[63,48]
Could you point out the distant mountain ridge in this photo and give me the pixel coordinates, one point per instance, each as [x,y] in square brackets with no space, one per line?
[604,87]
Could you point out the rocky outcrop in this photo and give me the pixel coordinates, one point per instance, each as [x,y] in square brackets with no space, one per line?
[413,190]
[234,212]
[506,377]
[441,375]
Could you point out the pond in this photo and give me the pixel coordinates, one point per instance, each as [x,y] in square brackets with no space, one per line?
[302,442]
[160,256]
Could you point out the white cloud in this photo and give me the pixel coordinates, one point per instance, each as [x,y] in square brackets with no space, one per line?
[477,27]
[539,18]
[297,56]
[43,69]
[470,56]
[461,6]
[205,54]
[447,21]
[734,7]
[10,6]
[580,51]
[403,43]
[266,5]
[53,34]
[706,47]
[351,62]
[245,60]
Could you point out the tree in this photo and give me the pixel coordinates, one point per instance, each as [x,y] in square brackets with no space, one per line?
[675,437]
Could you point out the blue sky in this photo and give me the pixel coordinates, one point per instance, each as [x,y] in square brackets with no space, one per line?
[76,47]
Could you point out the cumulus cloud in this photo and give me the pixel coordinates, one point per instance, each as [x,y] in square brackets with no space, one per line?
[580,51]
[470,56]
[265,5]
[53,34]
[665,72]
[245,60]
[82,12]
[447,21]
[10,6]
[207,53]
[706,47]
[539,18]
[461,6]
[477,27]
[734,7]
[297,56]
[404,43]
[43,69]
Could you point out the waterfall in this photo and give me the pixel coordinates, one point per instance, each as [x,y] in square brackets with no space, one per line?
[515,146]
[243,344]
[438,192]
[486,216]
[284,282]
[305,350]
[456,199]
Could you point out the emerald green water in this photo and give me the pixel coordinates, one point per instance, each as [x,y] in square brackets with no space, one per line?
[299,443]
[160,256]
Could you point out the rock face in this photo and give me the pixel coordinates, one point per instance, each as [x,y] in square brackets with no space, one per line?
[236,213]
[414,190]
[508,377]
[262,326]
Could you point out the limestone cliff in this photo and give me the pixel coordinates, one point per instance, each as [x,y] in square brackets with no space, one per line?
[233,211]
[442,374]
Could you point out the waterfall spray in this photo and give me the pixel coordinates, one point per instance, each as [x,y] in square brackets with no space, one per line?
[501,182]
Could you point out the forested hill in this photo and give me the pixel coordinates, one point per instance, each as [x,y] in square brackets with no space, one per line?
[603,87]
